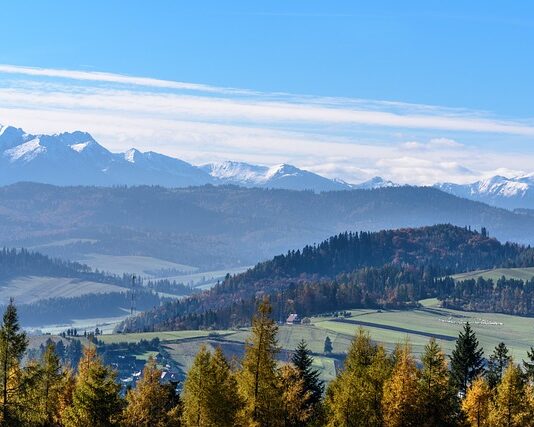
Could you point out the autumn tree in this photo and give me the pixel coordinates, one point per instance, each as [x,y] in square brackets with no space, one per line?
[437,400]
[150,403]
[497,363]
[467,360]
[258,381]
[224,398]
[400,406]
[95,399]
[13,344]
[477,403]
[296,409]
[354,397]
[509,408]
[195,395]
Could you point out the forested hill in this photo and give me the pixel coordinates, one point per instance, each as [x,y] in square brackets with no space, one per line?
[444,247]
[22,262]
[393,268]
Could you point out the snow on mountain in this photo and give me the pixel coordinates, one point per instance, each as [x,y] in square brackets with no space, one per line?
[376,182]
[279,176]
[515,192]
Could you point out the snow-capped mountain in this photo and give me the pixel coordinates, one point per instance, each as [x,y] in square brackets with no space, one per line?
[279,176]
[376,182]
[515,192]
[77,159]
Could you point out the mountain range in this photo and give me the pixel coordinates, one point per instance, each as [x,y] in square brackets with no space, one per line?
[76,158]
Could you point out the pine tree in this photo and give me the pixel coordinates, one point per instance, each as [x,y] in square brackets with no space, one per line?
[401,390]
[303,361]
[13,344]
[497,364]
[509,407]
[258,380]
[437,400]
[477,402]
[354,397]
[95,399]
[328,345]
[528,366]
[151,404]
[467,359]
[297,411]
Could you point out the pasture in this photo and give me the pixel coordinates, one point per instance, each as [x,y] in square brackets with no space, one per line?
[495,274]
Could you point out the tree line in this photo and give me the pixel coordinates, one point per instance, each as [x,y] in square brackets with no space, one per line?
[375,388]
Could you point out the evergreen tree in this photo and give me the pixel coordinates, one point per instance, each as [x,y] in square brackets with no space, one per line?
[437,400]
[510,406]
[13,344]
[95,399]
[328,345]
[151,404]
[354,397]
[497,364]
[467,360]
[258,380]
[477,403]
[303,361]
[401,390]
[528,366]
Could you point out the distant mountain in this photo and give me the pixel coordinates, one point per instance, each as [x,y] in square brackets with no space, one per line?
[227,226]
[376,182]
[77,159]
[280,176]
[511,193]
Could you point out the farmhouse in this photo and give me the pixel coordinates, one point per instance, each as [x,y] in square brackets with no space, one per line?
[293,319]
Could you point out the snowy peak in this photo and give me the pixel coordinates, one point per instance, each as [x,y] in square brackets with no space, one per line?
[376,182]
[515,192]
[25,152]
[238,173]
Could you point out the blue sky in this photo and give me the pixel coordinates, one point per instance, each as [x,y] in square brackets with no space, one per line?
[415,91]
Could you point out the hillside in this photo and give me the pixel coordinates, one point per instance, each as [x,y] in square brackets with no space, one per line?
[220,227]
[393,268]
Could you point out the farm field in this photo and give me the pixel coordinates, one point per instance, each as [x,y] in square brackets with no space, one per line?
[393,326]
[496,274]
[26,290]
[139,265]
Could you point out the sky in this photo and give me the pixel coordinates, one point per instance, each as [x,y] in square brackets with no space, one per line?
[415,91]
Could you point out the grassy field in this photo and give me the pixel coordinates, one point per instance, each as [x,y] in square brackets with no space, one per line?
[495,274]
[206,279]
[163,336]
[30,289]
[139,265]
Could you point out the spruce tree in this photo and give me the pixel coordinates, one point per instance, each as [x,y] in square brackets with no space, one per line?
[497,364]
[258,381]
[467,360]
[95,399]
[528,366]
[327,345]
[13,344]
[150,403]
[303,361]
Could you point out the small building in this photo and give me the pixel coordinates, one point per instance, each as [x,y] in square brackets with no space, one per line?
[293,319]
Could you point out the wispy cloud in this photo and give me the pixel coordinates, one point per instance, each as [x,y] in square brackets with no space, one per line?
[349,138]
